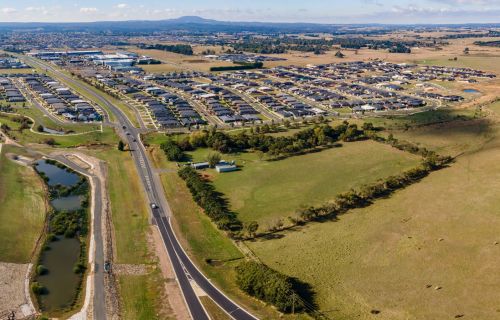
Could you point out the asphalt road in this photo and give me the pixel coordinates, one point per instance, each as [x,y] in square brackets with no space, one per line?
[184,268]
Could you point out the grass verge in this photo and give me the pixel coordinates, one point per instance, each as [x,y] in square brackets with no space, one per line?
[22,209]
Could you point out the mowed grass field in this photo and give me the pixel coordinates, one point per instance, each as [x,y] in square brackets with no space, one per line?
[430,251]
[22,209]
[138,295]
[267,190]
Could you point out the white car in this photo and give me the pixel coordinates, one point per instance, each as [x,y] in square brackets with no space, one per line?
[154,206]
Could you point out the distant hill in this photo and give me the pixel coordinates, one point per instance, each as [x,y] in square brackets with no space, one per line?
[195,24]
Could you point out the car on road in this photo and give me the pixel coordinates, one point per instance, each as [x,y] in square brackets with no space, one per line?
[128,133]
[154,206]
[107,266]
[124,127]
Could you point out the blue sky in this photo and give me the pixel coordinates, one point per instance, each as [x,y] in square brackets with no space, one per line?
[321,11]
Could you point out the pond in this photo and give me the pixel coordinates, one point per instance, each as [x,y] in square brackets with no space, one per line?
[69,203]
[57,175]
[52,131]
[60,281]
[471,91]
[62,252]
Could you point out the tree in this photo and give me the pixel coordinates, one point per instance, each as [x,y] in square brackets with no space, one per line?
[466,50]
[251,228]
[339,54]
[4,127]
[39,128]
[367,126]
[172,150]
[213,158]
[121,145]
[50,141]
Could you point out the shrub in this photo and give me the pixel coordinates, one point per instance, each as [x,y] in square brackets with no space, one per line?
[50,141]
[268,285]
[79,268]
[41,270]
[38,289]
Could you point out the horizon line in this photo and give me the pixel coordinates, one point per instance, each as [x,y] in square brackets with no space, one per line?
[253,21]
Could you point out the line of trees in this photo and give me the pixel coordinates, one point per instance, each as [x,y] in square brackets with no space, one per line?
[488,43]
[277,147]
[284,44]
[366,194]
[185,49]
[240,66]
[209,200]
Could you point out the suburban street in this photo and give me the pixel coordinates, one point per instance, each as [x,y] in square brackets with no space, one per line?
[184,268]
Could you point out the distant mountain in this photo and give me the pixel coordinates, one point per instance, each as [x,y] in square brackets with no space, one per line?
[192,19]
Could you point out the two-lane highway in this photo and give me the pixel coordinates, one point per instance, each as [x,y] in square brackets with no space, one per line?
[185,270]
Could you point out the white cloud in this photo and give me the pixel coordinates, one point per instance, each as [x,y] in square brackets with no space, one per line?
[41,10]
[89,10]
[122,6]
[470,2]
[8,10]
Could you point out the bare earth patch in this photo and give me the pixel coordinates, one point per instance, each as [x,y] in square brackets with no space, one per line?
[12,293]
[131,269]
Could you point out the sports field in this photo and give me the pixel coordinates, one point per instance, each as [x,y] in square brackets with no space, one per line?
[267,190]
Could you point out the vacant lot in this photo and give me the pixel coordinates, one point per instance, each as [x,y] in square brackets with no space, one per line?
[267,190]
[22,209]
[429,252]
[178,62]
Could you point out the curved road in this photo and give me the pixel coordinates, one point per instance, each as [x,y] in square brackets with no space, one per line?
[185,270]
